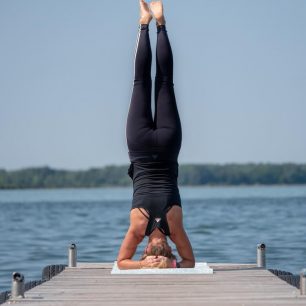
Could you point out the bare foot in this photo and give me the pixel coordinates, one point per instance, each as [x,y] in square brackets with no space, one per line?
[145,14]
[158,11]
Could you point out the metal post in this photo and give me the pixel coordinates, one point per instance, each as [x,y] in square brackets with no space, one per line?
[17,291]
[72,256]
[261,255]
[303,282]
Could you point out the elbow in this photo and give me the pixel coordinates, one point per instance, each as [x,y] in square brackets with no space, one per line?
[188,263]
[120,264]
[192,261]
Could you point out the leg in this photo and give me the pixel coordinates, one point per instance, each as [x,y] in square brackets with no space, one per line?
[139,127]
[166,119]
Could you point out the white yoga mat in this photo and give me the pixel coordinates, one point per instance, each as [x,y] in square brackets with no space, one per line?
[200,268]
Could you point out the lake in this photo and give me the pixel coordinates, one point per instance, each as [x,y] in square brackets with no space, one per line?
[224,225]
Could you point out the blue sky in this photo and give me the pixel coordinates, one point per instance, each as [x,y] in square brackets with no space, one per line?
[66,72]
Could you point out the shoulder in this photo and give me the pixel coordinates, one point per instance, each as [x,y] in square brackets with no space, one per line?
[138,222]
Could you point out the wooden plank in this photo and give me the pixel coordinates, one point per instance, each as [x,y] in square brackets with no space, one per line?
[231,284]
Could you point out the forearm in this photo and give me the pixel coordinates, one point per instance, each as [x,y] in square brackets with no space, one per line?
[126,264]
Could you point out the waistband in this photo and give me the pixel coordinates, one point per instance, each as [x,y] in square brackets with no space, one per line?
[154,155]
[170,199]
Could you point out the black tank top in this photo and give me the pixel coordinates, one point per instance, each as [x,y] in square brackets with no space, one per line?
[155,186]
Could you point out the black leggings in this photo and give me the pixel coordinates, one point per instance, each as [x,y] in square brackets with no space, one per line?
[164,133]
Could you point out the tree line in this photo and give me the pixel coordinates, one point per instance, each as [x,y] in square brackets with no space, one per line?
[189,174]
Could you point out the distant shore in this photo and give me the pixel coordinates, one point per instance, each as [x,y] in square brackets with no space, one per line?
[189,175]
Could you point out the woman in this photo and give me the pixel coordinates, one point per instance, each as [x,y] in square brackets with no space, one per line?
[154,146]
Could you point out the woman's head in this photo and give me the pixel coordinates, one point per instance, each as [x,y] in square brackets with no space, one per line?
[158,247]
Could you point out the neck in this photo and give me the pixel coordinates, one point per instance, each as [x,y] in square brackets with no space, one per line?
[157,234]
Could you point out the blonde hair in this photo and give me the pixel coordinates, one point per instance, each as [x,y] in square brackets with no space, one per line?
[160,249]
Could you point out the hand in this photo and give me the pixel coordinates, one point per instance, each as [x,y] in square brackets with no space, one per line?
[151,262]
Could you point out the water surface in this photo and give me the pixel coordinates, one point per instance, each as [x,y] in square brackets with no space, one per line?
[224,225]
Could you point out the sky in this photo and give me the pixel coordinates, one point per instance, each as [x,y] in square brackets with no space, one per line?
[66,75]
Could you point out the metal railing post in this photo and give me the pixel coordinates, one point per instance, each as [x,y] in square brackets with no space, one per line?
[72,256]
[17,291]
[261,255]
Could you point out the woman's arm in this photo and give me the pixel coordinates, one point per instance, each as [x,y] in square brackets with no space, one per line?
[128,249]
[180,238]
[184,248]
[133,237]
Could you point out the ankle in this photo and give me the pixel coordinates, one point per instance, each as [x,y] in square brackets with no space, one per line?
[143,26]
[145,20]
[160,21]
[160,27]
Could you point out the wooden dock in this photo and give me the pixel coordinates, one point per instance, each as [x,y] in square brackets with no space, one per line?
[91,284]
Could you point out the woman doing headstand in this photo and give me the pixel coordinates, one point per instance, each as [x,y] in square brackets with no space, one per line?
[154,146]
